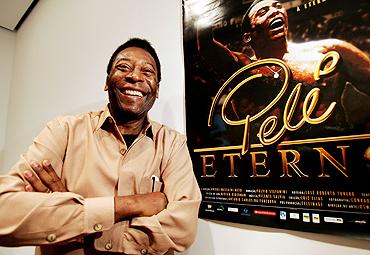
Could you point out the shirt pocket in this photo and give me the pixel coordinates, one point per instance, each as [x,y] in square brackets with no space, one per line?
[151,184]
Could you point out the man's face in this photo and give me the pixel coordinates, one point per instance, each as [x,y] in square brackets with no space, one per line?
[132,83]
[269,21]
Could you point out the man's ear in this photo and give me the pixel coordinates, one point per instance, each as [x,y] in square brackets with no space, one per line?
[157,92]
[106,82]
[247,37]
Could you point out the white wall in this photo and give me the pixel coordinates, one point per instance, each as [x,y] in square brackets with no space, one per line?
[61,53]
[7,45]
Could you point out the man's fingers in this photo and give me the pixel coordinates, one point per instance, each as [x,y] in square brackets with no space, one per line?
[44,176]
[35,183]
[40,171]
[44,179]
[47,175]
[29,188]
[54,182]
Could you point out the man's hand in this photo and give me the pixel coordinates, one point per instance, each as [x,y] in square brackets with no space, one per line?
[45,180]
[139,205]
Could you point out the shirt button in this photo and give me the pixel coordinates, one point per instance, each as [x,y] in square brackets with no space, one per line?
[51,238]
[98,227]
[122,151]
[110,120]
[143,251]
[108,246]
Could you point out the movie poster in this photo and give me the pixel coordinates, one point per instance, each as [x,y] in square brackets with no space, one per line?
[277,112]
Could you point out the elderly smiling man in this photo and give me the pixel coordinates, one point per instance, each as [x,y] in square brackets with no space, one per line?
[108,181]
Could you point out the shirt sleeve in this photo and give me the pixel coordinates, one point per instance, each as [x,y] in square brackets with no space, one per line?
[173,228]
[34,218]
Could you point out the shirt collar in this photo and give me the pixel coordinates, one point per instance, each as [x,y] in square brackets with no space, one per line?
[106,120]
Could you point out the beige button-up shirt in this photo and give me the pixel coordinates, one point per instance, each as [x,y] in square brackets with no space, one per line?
[93,161]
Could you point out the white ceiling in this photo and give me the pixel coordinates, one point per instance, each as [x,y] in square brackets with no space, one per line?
[12,11]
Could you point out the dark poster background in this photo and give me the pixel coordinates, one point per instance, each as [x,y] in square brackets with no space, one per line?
[326,188]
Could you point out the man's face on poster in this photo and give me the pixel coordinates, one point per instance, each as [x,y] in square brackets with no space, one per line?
[269,21]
